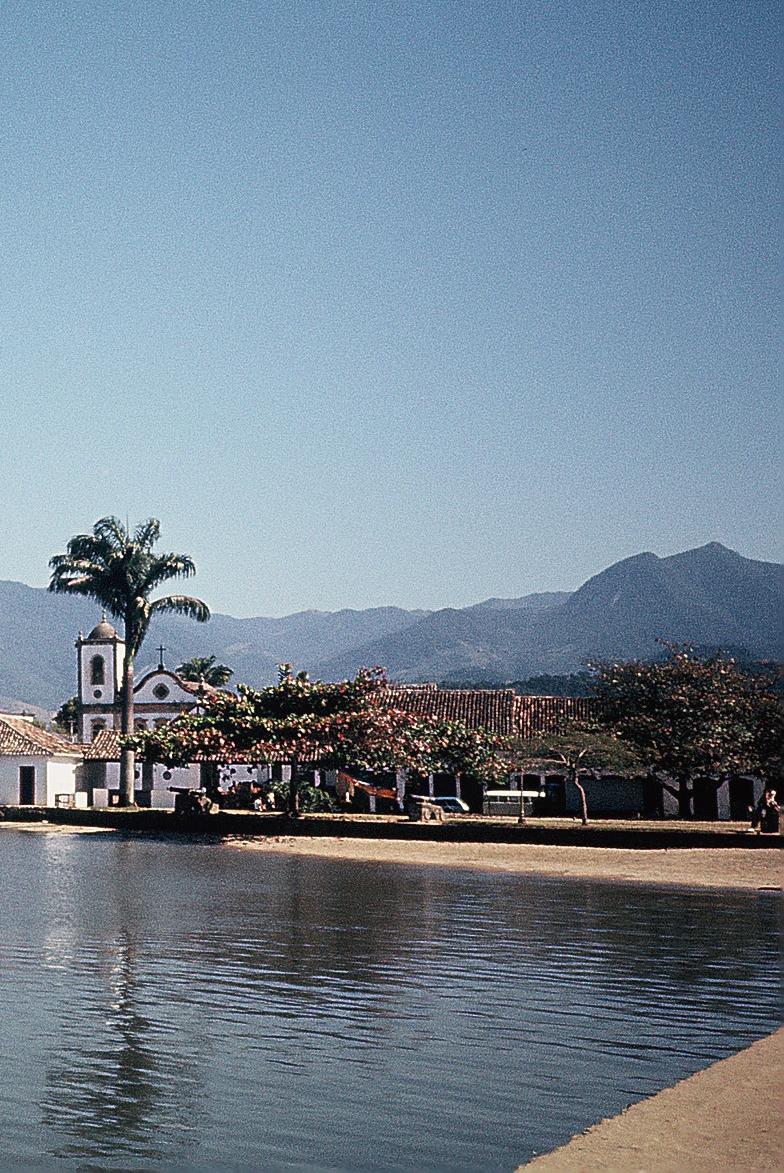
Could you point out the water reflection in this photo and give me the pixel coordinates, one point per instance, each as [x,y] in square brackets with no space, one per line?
[171,1004]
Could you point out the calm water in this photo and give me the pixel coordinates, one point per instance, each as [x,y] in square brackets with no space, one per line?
[191,1004]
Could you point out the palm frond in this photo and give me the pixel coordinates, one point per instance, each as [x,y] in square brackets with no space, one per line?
[112,531]
[146,535]
[165,567]
[181,605]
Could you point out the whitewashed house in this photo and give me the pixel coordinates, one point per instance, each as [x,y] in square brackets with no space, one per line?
[38,768]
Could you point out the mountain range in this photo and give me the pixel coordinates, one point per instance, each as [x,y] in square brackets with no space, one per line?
[709,596]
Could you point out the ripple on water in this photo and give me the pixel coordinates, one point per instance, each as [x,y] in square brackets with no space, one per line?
[171,1004]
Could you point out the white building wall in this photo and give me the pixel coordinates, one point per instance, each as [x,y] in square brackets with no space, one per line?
[60,778]
[164,777]
[9,777]
[51,777]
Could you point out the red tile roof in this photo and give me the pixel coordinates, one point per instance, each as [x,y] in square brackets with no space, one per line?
[546,714]
[479,708]
[500,710]
[18,736]
[105,747]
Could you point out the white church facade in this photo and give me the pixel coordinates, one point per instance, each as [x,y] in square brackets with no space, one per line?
[159,696]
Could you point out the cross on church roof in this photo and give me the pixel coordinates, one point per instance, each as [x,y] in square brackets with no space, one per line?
[161,649]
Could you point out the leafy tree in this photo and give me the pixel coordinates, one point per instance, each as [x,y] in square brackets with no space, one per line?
[692,716]
[205,668]
[66,719]
[120,570]
[581,748]
[453,747]
[337,726]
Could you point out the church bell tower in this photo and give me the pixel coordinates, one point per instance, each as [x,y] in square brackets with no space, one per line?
[99,667]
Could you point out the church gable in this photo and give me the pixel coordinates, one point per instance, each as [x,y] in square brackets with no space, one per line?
[161,687]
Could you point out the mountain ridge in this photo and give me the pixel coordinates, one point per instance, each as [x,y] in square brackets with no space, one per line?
[709,596]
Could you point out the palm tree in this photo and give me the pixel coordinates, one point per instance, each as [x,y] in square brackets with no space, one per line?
[204,668]
[120,571]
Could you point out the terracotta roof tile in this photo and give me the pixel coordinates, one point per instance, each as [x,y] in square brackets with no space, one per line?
[18,736]
[546,714]
[479,708]
[105,747]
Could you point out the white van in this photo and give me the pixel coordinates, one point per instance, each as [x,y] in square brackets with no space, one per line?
[507,802]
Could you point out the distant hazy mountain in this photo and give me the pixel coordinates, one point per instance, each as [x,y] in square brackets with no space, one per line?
[38,630]
[708,596]
[536,602]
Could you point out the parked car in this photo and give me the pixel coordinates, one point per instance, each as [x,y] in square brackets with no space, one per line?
[449,803]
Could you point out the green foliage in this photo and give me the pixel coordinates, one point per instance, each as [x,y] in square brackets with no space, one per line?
[580,747]
[312,799]
[66,719]
[337,726]
[693,716]
[206,669]
[120,570]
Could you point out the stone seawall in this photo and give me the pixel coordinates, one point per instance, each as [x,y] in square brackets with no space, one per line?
[611,834]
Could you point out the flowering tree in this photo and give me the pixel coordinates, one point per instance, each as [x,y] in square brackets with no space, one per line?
[692,716]
[453,747]
[580,748]
[337,726]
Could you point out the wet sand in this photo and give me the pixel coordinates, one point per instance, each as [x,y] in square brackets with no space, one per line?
[726,1117]
[736,867]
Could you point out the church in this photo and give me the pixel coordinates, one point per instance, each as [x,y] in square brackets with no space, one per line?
[159,694]
[42,768]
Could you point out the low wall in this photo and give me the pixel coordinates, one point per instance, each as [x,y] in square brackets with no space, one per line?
[467,830]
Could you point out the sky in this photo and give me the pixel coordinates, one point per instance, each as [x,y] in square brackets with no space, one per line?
[377,303]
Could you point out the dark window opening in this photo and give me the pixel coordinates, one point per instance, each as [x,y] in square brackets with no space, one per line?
[27,785]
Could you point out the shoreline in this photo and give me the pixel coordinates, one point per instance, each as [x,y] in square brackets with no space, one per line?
[733,866]
[724,1117]
[742,869]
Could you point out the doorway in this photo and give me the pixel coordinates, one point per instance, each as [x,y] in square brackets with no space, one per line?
[741,798]
[27,785]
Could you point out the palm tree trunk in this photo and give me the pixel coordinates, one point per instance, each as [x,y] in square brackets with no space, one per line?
[127,756]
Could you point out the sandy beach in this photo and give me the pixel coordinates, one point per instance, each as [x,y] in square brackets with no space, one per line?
[726,1117]
[736,868]
[720,1118]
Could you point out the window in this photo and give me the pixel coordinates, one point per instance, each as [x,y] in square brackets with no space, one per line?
[97,670]
[160,691]
[140,724]
[97,727]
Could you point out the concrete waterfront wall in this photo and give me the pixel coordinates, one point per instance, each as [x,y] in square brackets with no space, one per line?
[467,830]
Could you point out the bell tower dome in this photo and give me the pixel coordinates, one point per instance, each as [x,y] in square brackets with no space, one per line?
[99,673]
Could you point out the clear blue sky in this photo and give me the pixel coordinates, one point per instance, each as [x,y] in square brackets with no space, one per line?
[380,302]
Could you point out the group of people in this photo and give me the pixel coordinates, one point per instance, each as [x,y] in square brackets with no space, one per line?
[246,796]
